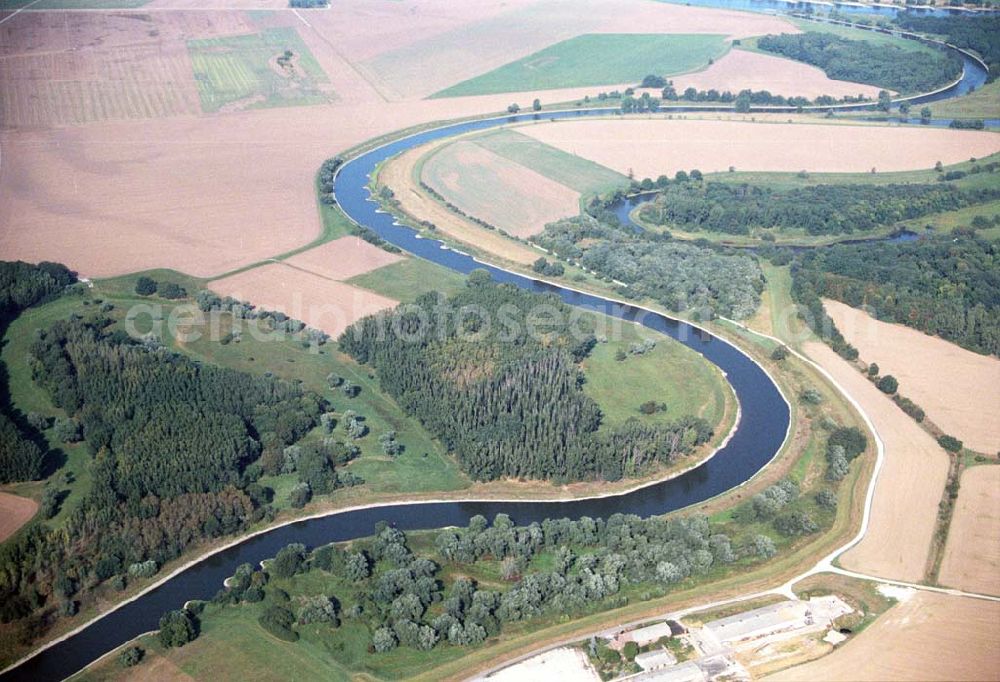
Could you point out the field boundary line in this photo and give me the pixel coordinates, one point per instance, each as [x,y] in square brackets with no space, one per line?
[19,10]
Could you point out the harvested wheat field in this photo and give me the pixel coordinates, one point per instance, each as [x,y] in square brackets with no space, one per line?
[343,258]
[71,69]
[959,389]
[742,69]
[650,147]
[398,175]
[504,193]
[909,487]
[409,52]
[927,637]
[15,511]
[972,555]
[319,302]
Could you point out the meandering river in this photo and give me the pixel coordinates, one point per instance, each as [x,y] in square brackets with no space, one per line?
[759,434]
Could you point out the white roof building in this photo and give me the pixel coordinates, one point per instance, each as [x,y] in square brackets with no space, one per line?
[655,659]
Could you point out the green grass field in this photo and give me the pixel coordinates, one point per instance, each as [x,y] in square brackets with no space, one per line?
[670,373]
[583,175]
[408,279]
[597,59]
[983,103]
[240,70]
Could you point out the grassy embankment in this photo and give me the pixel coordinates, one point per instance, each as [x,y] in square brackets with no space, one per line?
[597,60]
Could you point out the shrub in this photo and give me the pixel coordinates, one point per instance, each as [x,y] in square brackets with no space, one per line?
[950,443]
[631,650]
[177,628]
[888,384]
[779,353]
[145,286]
[172,290]
[130,656]
[278,620]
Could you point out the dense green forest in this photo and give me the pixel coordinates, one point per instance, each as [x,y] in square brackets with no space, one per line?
[22,285]
[682,277]
[819,209]
[949,287]
[177,450]
[504,396]
[886,66]
[977,32]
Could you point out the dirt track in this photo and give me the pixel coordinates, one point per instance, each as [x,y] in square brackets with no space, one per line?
[909,487]
[937,375]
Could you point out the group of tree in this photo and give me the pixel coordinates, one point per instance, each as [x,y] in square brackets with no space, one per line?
[508,401]
[818,209]
[946,286]
[682,277]
[860,61]
[22,285]
[147,286]
[178,449]
[977,32]
[407,599]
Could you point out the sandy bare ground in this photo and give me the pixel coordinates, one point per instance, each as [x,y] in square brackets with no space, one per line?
[928,637]
[502,192]
[15,511]
[741,69]
[653,146]
[398,175]
[909,487]
[972,555]
[319,302]
[563,663]
[343,258]
[959,389]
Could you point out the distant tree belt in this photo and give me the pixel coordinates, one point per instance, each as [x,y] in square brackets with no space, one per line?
[23,285]
[979,33]
[949,286]
[507,403]
[886,66]
[819,210]
[682,277]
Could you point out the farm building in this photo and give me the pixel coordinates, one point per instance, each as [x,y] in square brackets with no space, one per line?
[655,659]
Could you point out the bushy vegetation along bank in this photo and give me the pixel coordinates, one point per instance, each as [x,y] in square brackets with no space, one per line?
[886,66]
[682,277]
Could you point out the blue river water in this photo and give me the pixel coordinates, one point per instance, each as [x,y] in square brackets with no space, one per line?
[759,434]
